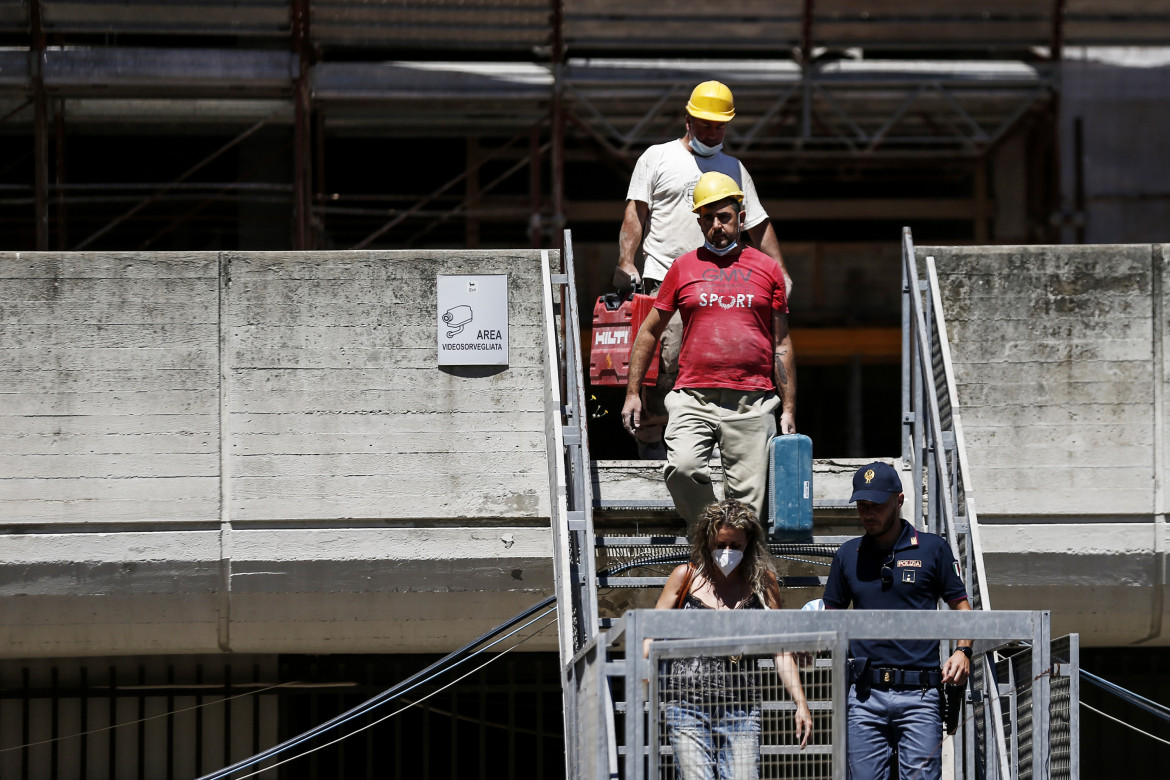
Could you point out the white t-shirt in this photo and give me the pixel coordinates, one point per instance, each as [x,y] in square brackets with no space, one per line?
[665,179]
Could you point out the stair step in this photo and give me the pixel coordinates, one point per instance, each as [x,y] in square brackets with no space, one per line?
[814,705]
[637,485]
[666,542]
[666,505]
[618,555]
[658,582]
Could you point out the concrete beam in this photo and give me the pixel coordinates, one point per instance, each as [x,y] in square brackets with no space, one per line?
[205,452]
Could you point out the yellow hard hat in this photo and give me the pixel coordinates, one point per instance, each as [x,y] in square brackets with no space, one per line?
[711,101]
[713,187]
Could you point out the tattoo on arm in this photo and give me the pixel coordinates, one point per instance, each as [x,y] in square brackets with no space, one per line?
[781,371]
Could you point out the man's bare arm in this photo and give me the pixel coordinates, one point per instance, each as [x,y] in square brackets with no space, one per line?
[784,370]
[764,236]
[629,239]
[640,357]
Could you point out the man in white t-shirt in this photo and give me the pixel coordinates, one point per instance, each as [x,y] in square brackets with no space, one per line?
[658,218]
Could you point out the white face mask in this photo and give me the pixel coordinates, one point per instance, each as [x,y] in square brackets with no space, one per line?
[723,251]
[727,559]
[701,149]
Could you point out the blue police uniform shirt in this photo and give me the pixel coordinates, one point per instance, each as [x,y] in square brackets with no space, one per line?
[923,571]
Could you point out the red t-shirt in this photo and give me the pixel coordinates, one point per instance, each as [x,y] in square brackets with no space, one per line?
[726,306]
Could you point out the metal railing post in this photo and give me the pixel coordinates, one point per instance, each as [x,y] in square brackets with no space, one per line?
[907,351]
[934,457]
[1041,695]
[913,387]
[1074,708]
[558,489]
[635,701]
[994,735]
[577,444]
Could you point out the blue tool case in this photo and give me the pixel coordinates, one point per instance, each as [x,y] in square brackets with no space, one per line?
[790,488]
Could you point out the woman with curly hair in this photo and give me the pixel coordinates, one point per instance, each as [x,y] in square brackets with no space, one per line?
[713,709]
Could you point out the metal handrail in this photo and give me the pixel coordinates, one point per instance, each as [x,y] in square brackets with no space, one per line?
[571,488]
[933,444]
[941,514]
[577,450]
[964,470]
[567,614]
[934,449]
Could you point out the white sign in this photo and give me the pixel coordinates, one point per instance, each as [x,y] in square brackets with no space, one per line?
[473,320]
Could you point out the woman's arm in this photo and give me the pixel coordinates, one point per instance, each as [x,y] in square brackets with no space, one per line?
[787,670]
[669,597]
[789,673]
[674,583]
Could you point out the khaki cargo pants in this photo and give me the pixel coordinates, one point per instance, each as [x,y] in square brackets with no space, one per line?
[741,423]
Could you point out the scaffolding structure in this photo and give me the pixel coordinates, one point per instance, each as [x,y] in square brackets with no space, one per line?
[522,90]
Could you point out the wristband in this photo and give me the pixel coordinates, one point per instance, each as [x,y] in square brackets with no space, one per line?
[965,651]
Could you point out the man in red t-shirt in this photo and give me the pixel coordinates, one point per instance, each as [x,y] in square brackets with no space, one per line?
[736,365]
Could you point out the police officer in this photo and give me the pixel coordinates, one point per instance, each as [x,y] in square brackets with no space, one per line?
[894,699]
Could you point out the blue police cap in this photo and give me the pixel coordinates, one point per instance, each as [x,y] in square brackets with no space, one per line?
[875,482]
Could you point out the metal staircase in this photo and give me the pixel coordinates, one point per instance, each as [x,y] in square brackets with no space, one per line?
[1014,679]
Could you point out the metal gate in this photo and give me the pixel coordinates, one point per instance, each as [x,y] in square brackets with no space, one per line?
[614,693]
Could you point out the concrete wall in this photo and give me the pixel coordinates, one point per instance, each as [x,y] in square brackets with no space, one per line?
[1059,358]
[258,452]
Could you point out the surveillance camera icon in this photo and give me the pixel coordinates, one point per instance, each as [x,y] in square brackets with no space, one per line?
[455,318]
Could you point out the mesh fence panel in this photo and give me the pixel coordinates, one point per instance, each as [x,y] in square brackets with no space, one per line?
[1021,679]
[1015,673]
[731,717]
[701,691]
[1062,737]
[980,725]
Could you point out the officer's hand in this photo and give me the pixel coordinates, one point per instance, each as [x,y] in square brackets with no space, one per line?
[632,414]
[787,423]
[625,277]
[956,669]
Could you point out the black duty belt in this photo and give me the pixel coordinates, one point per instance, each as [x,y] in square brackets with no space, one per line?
[905,678]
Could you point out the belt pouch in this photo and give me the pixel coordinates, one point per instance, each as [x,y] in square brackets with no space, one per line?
[858,671]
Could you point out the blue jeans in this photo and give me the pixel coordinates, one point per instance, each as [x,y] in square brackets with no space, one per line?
[717,741]
[906,719]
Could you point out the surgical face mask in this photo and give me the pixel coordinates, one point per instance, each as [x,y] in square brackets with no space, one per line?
[723,251]
[701,149]
[727,559]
